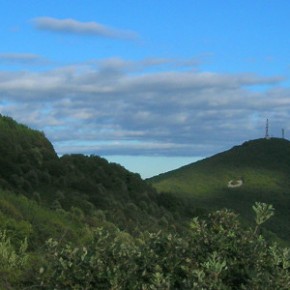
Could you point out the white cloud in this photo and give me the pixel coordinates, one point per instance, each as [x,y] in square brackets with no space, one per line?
[115,107]
[72,26]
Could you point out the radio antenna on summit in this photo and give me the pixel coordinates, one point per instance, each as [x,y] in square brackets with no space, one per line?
[267,130]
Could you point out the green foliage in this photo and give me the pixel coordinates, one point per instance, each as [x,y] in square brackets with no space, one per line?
[218,253]
[13,260]
[25,154]
[25,218]
[263,212]
[29,166]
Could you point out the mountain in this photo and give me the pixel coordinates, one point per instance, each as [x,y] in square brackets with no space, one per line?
[257,170]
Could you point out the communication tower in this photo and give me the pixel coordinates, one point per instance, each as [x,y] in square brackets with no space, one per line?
[267,130]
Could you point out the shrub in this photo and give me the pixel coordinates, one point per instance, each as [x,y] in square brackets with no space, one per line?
[13,261]
[218,254]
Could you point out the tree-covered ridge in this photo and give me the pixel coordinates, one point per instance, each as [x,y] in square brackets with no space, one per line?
[25,156]
[88,185]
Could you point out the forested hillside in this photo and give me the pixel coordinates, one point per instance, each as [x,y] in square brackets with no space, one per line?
[86,185]
[257,170]
[80,222]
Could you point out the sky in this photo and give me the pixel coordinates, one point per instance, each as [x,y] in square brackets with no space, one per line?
[149,84]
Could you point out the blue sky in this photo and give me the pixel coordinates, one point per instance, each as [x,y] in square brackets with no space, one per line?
[152,85]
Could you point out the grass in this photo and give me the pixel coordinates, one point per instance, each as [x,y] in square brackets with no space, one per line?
[264,167]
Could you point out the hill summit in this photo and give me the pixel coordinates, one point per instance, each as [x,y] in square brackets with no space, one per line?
[30,167]
[257,170]
[26,155]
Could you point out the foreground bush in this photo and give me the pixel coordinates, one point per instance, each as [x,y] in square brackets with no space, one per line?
[217,254]
[13,261]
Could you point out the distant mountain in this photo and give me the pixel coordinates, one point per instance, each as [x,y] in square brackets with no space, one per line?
[258,170]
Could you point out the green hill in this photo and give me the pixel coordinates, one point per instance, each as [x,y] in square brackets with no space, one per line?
[258,170]
[43,195]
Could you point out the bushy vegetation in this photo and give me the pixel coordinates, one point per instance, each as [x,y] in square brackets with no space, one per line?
[80,222]
[215,253]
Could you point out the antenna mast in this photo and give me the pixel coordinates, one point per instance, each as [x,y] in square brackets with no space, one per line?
[267,130]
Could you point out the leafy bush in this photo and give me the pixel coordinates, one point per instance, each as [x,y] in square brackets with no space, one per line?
[13,261]
[218,254]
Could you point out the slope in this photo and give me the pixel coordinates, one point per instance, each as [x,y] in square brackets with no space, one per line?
[258,170]
[43,195]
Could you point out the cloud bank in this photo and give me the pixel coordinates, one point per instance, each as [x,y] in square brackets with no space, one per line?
[72,26]
[122,107]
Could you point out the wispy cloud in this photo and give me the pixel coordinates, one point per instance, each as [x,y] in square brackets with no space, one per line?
[21,58]
[72,26]
[114,107]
